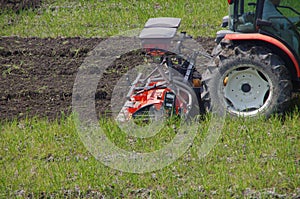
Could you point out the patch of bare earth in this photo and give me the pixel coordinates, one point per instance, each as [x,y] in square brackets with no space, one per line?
[37,75]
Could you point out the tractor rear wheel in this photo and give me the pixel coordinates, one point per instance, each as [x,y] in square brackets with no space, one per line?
[250,81]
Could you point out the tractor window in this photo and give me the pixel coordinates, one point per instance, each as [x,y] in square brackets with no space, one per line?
[290,8]
[243,14]
[278,8]
[285,20]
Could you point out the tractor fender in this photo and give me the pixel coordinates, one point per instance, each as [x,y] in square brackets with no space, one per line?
[267,39]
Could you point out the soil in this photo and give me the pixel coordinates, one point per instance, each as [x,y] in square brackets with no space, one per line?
[18,5]
[37,75]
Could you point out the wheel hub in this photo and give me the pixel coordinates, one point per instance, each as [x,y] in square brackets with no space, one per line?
[246,89]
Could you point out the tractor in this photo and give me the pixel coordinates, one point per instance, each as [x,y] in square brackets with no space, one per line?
[256,60]
[253,69]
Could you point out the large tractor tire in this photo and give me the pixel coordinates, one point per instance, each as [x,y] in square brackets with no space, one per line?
[249,81]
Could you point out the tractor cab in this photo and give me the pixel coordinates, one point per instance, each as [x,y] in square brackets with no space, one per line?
[278,19]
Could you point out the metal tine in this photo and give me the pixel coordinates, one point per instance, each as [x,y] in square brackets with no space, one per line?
[133,85]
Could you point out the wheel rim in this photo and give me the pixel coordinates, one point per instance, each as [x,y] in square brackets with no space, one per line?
[246,90]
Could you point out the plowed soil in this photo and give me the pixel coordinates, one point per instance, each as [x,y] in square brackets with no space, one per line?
[37,75]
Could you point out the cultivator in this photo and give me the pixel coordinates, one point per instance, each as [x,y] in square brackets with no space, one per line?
[173,87]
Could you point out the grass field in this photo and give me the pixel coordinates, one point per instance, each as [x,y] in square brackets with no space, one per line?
[41,159]
[105,18]
[260,160]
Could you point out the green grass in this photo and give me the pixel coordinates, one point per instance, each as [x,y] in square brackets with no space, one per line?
[39,158]
[106,18]
[260,158]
